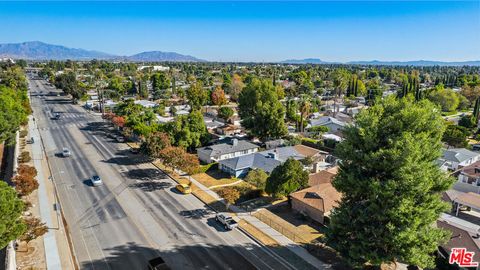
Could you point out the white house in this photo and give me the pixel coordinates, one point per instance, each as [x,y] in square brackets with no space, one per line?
[456,158]
[230,149]
[333,124]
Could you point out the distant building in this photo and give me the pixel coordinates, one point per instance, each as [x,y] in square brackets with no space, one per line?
[334,125]
[146,103]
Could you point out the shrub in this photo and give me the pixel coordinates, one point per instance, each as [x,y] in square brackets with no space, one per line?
[23,133]
[230,194]
[27,171]
[24,157]
[24,185]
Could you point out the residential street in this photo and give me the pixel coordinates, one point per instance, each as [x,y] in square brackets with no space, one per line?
[137,214]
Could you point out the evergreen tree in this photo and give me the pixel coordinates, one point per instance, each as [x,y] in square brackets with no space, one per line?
[391,186]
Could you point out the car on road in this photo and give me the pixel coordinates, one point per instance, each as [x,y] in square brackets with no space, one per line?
[120,139]
[226,220]
[157,264]
[96,181]
[56,116]
[66,152]
[184,188]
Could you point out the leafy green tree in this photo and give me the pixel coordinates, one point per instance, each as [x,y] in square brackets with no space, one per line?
[287,178]
[445,98]
[456,136]
[391,186]
[154,144]
[467,121]
[257,177]
[188,131]
[197,96]
[69,84]
[225,113]
[261,111]
[12,113]
[11,207]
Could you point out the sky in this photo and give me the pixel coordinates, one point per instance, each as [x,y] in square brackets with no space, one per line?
[255,31]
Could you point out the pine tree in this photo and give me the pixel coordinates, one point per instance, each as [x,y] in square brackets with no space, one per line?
[391,187]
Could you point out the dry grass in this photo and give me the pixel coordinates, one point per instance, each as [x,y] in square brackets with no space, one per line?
[208,180]
[133,144]
[257,234]
[300,231]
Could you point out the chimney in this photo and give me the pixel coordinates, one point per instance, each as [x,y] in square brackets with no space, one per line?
[235,142]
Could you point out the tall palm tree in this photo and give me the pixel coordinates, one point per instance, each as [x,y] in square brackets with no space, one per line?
[340,82]
[305,106]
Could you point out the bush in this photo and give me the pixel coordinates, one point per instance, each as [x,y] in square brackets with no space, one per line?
[24,185]
[24,157]
[27,171]
[230,194]
[23,133]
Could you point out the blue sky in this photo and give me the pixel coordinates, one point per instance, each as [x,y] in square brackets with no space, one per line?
[255,31]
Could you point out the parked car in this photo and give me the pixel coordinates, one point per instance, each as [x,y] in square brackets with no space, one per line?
[120,139]
[157,264]
[30,141]
[96,181]
[134,150]
[184,188]
[66,152]
[226,220]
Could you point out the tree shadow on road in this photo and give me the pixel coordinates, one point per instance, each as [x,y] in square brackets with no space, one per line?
[195,257]
[146,174]
[151,185]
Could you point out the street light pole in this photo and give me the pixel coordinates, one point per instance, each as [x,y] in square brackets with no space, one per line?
[57,200]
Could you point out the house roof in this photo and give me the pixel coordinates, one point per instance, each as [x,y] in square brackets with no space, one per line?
[327,120]
[458,154]
[323,197]
[472,170]
[459,238]
[226,148]
[320,178]
[306,151]
[450,195]
[470,199]
[264,160]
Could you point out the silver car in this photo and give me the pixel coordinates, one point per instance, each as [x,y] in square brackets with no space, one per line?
[66,152]
[96,181]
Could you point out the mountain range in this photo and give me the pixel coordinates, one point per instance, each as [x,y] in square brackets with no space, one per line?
[36,50]
[384,63]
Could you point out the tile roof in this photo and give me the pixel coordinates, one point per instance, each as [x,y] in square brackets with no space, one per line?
[472,170]
[459,238]
[323,197]
[320,178]
[306,151]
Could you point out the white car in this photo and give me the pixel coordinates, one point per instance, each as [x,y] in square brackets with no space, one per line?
[120,139]
[96,181]
[66,152]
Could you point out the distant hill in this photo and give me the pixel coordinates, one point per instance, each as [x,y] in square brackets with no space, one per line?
[416,63]
[158,56]
[36,50]
[384,63]
[304,61]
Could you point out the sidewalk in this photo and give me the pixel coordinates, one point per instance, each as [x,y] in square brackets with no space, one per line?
[55,236]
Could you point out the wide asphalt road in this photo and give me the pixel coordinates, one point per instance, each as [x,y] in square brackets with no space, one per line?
[137,214]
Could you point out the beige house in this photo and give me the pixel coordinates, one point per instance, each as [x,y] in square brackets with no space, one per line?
[316,201]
